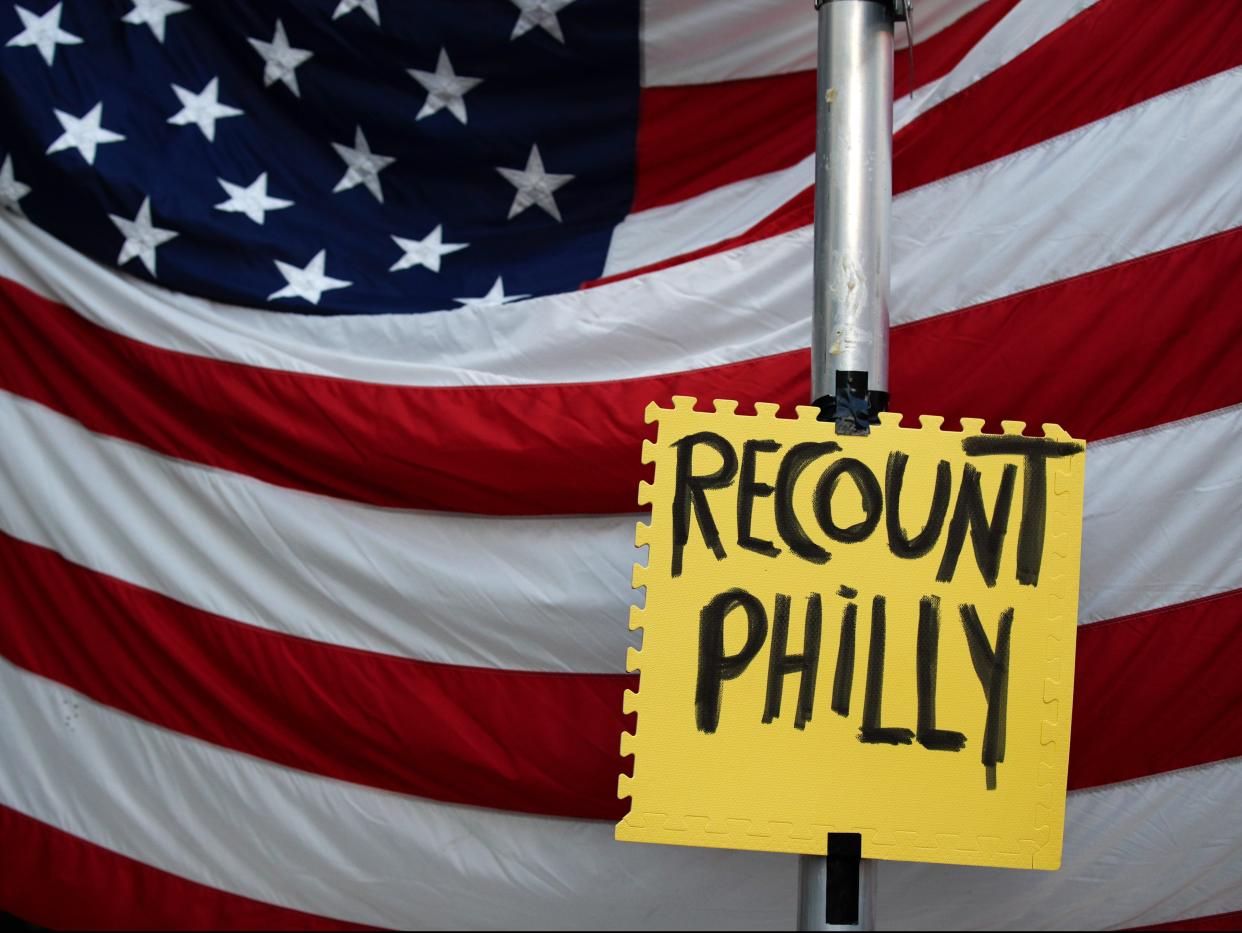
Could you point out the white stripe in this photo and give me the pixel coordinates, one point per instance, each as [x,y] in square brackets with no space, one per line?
[1159,173]
[1020,29]
[535,593]
[704,41]
[1117,189]
[676,229]
[327,847]
[513,593]
[1162,516]
[651,236]
[1151,848]
[1146,852]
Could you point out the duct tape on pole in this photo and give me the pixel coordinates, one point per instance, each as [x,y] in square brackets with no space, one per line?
[849,325]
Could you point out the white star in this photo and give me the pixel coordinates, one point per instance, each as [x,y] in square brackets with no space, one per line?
[43,32]
[309,283]
[444,88]
[202,109]
[280,59]
[253,200]
[534,185]
[541,13]
[141,237]
[12,190]
[83,133]
[154,13]
[424,252]
[495,296]
[369,7]
[363,166]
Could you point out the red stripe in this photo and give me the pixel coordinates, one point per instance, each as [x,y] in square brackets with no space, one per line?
[693,138]
[1229,921]
[534,742]
[62,882]
[1036,356]
[1112,56]
[1109,57]
[1158,691]
[1154,692]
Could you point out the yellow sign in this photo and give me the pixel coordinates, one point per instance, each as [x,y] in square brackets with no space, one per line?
[871,635]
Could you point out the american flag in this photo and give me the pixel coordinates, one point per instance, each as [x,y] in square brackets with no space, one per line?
[326,331]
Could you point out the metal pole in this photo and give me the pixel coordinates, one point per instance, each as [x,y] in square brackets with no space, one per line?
[849,327]
[853,196]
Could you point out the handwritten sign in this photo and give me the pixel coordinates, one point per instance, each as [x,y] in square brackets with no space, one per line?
[855,634]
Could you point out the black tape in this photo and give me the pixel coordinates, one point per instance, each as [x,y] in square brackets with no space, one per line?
[854,408]
[844,854]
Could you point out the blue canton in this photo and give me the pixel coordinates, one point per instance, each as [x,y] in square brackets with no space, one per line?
[326,156]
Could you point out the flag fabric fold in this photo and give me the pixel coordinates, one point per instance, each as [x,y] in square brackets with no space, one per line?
[326,331]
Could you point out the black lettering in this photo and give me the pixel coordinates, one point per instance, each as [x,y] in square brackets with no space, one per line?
[987,538]
[796,460]
[747,491]
[872,732]
[894,478]
[843,681]
[715,667]
[928,656]
[781,662]
[868,489]
[1035,451]
[992,669]
[689,493]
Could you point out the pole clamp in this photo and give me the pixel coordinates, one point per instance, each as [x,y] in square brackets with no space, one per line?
[899,10]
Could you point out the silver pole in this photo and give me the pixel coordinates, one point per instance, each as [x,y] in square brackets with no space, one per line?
[849,327]
[853,196]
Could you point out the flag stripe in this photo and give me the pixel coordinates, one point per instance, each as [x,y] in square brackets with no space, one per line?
[734,307]
[701,43]
[60,882]
[530,742]
[469,590]
[1117,82]
[371,856]
[420,447]
[485,737]
[758,125]
[1229,921]
[1146,851]
[647,236]
[1118,38]
[337,849]
[529,581]
[450,732]
[1133,713]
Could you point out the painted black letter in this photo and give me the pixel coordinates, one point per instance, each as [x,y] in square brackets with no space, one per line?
[992,669]
[872,731]
[715,667]
[747,492]
[931,738]
[868,489]
[688,496]
[986,538]
[1035,451]
[843,681]
[797,459]
[781,663]
[895,476]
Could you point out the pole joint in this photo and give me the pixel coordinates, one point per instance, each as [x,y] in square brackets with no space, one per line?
[898,10]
